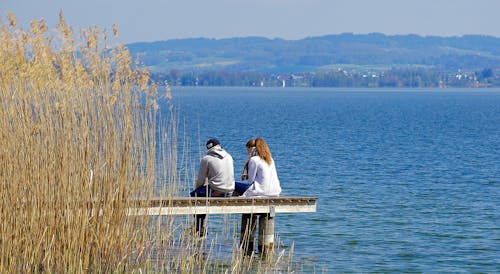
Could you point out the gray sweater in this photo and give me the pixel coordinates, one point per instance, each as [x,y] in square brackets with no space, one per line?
[216,169]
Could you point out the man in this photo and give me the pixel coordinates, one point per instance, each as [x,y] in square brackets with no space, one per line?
[215,177]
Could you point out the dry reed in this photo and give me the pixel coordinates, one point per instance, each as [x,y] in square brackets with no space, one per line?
[78,144]
[75,150]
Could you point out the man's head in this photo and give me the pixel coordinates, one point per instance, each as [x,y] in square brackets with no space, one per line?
[211,143]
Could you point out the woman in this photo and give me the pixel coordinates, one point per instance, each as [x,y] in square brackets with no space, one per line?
[262,176]
[264,181]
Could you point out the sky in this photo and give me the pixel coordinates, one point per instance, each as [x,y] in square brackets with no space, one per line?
[158,20]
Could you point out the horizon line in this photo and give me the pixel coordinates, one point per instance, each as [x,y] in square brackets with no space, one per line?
[316,36]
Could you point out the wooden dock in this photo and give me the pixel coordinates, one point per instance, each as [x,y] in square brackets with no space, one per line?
[232,205]
[263,208]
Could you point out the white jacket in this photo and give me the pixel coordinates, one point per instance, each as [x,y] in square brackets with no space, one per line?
[263,178]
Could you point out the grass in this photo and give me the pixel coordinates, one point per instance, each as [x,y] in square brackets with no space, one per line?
[79,142]
[197,64]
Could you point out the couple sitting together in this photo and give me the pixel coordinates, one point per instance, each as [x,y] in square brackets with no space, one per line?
[216,173]
[216,176]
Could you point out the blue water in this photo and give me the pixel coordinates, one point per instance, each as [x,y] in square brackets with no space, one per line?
[407,180]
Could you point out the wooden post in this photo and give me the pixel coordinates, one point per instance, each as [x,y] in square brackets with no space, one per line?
[268,229]
[262,228]
[247,233]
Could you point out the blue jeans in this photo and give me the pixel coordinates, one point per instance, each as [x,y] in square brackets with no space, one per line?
[240,188]
[206,191]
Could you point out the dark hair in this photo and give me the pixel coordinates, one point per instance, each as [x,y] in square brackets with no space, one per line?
[250,143]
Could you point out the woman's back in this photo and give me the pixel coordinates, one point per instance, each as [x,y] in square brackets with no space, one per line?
[263,177]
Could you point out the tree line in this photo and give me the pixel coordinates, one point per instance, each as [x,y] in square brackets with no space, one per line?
[396,77]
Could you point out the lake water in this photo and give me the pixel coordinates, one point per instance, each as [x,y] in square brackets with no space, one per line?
[407,180]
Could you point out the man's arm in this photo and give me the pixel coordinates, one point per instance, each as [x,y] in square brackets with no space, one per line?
[202,173]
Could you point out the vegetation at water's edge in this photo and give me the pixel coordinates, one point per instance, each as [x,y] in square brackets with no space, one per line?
[78,146]
[345,60]
[343,76]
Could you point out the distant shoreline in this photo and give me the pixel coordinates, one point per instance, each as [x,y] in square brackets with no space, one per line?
[344,60]
[350,89]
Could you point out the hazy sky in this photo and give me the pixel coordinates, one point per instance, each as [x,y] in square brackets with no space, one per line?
[154,20]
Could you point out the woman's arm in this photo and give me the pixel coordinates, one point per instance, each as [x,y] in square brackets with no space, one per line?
[252,169]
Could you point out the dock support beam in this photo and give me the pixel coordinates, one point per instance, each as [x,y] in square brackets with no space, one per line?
[266,232]
[247,233]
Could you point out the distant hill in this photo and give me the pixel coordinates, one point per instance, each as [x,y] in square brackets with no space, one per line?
[369,51]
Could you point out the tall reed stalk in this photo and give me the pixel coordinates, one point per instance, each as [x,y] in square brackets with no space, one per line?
[77,145]
[79,142]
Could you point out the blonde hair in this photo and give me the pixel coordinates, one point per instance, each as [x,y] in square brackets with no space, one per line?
[263,150]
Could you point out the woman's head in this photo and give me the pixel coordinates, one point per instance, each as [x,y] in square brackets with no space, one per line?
[263,150]
[250,145]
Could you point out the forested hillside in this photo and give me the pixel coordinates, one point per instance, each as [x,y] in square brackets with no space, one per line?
[437,61]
